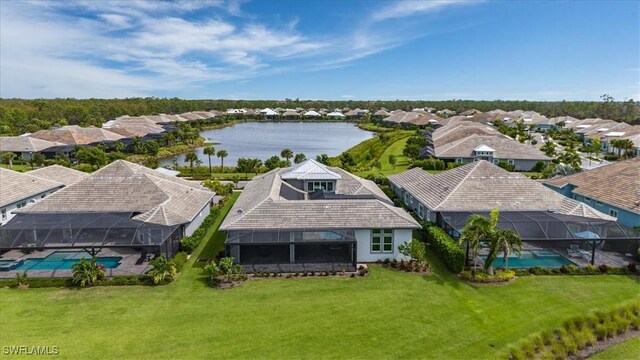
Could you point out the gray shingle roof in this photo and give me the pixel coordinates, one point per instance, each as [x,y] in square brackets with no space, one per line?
[127,187]
[356,203]
[311,170]
[76,135]
[504,148]
[61,174]
[26,144]
[15,186]
[482,186]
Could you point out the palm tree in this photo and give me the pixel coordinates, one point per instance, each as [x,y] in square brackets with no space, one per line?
[287,154]
[7,158]
[191,158]
[222,154]
[209,150]
[626,145]
[477,229]
[504,240]
[299,158]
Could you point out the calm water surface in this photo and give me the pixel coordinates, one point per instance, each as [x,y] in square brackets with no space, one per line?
[265,139]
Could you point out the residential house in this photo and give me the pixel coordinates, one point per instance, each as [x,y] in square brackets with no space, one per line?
[314,214]
[25,146]
[19,190]
[122,205]
[76,135]
[613,189]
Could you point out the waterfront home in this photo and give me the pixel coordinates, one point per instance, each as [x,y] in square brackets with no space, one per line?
[25,146]
[290,114]
[542,217]
[613,189]
[314,214]
[337,115]
[19,190]
[312,114]
[122,205]
[268,114]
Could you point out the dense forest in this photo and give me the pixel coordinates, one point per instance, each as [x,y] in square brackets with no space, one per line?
[18,116]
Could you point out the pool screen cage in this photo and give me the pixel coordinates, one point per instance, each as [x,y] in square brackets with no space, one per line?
[292,246]
[580,239]
[89,231]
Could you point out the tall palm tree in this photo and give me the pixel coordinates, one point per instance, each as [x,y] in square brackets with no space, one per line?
[191,158]
[287,154]
[477,229]
[209,150]
[222,154]
[504,240]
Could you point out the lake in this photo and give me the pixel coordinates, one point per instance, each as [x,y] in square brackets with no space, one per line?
[264,139]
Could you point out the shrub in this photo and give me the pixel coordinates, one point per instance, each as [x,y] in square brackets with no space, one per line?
[163,270]
[21,278]
[226,271]
[604,268]
[632,267]
[451,254]
[188,244]
[87,272]
[179,260]
[483,277]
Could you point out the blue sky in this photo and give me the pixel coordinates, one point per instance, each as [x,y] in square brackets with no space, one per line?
[430,50]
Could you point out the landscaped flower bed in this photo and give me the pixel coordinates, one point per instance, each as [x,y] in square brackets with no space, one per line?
[480,276]
[412,266]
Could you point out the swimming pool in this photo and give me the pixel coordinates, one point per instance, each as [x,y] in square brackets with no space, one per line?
[533,258]
[64,260]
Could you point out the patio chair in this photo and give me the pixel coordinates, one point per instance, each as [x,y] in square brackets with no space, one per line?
[574,251]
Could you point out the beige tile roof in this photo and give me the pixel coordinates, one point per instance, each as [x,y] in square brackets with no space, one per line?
[25,144]
[504,148]
[357,203]
[76,135]
[456,130]
[482,186]
[127,187]
[15,186]
[616,184]
[61,174]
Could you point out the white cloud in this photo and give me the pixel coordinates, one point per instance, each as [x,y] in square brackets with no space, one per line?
[405,8]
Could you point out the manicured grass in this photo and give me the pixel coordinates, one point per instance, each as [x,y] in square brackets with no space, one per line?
[389,314]
[629,349]
[18,167]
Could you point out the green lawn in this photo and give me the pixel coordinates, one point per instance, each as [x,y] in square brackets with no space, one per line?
[386,315]
[629,349]
[18,167]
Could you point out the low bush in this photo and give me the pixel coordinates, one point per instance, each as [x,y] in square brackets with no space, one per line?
[87,272]
[189,243]
[163,271]
[483,277]
[179,260]
[226,272]
[578,333]
[451,254]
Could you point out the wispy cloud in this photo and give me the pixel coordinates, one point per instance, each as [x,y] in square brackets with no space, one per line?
[406,8]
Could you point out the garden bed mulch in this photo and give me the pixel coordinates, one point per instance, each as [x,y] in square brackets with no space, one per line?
[601,346]
[421,272]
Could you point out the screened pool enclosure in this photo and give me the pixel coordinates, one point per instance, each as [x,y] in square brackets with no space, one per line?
[88,231]
[578,238]
[292,246]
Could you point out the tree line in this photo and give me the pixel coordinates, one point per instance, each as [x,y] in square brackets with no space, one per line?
[18,116]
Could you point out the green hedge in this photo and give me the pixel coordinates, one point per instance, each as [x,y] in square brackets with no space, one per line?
[190,243]
[66,282]
[451,254]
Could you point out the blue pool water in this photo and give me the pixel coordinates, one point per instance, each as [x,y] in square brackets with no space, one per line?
[64,260]
[533,258]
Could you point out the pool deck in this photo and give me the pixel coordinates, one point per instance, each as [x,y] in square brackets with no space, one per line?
[127,265]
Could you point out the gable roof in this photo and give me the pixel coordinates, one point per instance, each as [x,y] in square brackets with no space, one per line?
[310,170]
[269,203]
[16,186]
[127,187]
[61,174]
[482,186]
[616,184]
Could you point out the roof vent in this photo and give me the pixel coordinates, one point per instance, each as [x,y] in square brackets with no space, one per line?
[240,211]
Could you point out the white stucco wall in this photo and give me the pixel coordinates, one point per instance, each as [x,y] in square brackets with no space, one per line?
[31,200]
[197,221]
[363,237]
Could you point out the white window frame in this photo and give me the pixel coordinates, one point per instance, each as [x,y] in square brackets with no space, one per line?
[4,214]
[459,160]
[406,198]
[599,203]
[421,211]
[613,213]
